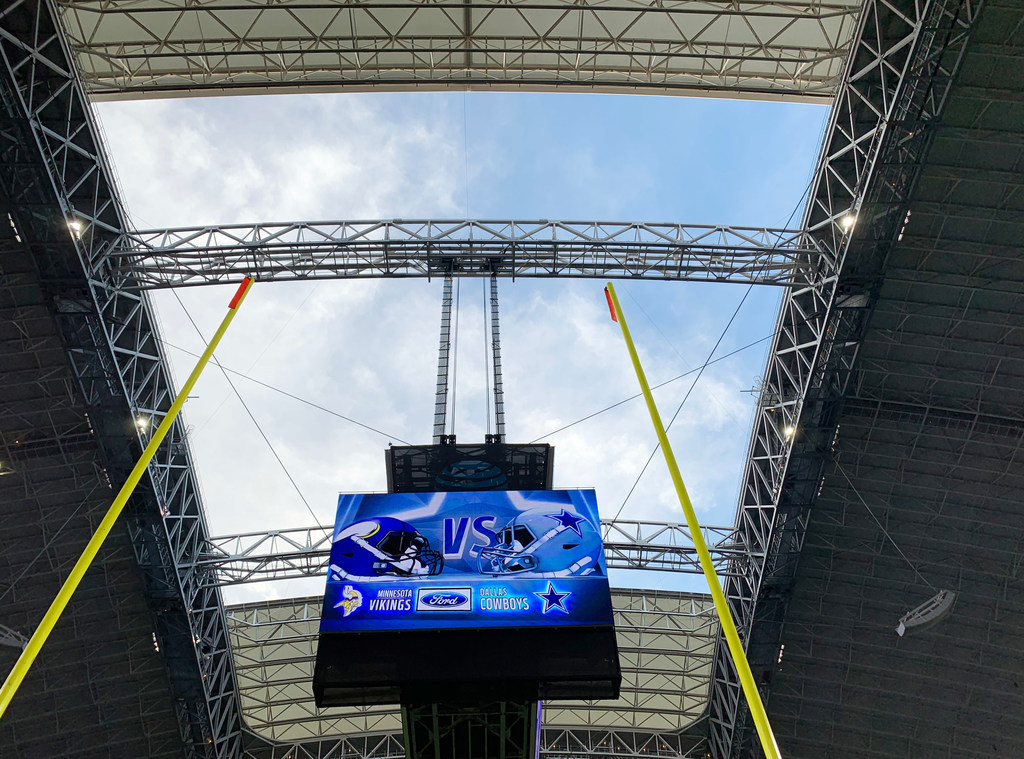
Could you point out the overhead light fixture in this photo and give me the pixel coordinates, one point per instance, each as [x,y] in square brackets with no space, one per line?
[789,431]
[847,222]
[76,228]
[142,422]
[928,613]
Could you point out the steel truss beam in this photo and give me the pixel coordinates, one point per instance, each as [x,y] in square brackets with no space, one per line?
[64,209]
[405,248]
[906,54]
[12,638]
[499,729]
[496,375]
[444,350]
[573,743]
[556,743]
[792,49]
[304,552]
[666,641]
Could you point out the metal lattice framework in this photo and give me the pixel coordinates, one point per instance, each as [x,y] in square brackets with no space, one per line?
[666,642]
[303,552]
[64,214]
[64,209]
[499,385]
[444,354]
[12,638]
[573,743]
[793,49]
[121,373]
[927,456]
[905,57]
[417,248]
[568,743]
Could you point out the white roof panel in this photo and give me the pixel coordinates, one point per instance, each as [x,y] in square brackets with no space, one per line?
[157,48]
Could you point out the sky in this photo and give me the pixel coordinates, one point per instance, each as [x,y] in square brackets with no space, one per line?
[367,349]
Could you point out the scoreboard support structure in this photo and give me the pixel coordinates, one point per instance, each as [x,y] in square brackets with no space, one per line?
[496,730]
[469,593]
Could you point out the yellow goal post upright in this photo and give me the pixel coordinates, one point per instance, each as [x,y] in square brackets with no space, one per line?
[732,638]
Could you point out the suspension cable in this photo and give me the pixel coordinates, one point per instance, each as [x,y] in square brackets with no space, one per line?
[730,354]
[689,390]
[266,347]
[294,397]
[50,542]
[885,532]
[251,416]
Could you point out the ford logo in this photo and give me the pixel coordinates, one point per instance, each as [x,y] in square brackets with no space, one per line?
[444,600]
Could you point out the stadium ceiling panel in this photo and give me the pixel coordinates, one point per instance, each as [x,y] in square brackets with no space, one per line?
[922,469]
[739,48]
[929,452]
[99,681]
[666,642]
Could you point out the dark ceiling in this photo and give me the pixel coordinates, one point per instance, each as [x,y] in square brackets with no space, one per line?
[98,688]
[931,439]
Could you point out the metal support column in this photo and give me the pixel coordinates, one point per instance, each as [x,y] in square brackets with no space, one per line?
[501,730]
[499,393]
[443,354]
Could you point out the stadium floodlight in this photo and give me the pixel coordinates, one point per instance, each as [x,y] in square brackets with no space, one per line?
[928,613]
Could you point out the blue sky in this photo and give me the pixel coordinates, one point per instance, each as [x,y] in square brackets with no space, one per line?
[367,349]
[649,158]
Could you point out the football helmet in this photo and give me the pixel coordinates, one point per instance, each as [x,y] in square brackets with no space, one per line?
[382,547]
[544,544]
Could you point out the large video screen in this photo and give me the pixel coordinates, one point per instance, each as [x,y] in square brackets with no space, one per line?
[420,561]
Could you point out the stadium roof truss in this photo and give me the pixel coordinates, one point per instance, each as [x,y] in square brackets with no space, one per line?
[666,643]
[424,248]
[303,552]
[90,267]
[905,59]
[792,50]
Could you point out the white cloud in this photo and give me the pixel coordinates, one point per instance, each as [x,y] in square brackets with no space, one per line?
[292,157]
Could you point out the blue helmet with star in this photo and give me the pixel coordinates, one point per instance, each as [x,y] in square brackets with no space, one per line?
[544,542]
[382,547]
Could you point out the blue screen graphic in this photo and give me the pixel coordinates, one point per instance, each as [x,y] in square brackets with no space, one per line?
[466,559]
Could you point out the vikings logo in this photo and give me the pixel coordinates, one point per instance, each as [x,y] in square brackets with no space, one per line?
[351,600]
